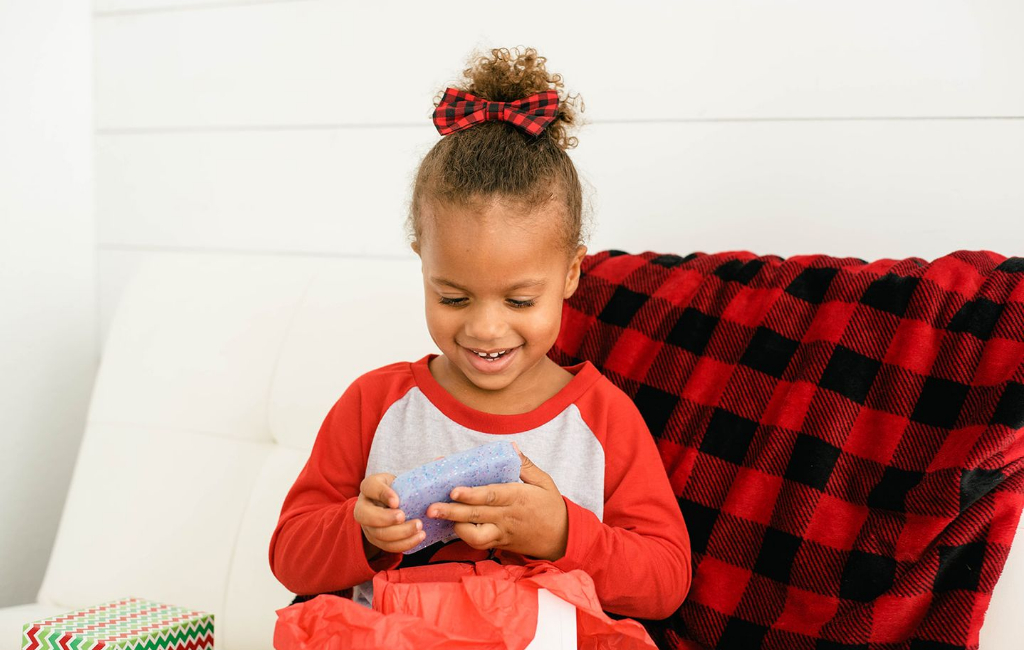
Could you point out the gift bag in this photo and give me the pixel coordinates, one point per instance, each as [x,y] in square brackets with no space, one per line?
[454,606]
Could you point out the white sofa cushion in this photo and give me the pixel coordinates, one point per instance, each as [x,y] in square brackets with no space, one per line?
[212,360]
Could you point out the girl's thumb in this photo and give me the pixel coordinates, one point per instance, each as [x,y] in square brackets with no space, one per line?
[529,472]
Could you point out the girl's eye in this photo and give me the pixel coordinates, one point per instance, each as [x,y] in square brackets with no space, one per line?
[518,304]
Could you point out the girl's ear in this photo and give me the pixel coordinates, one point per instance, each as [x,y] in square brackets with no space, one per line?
[572,280]
[415,247]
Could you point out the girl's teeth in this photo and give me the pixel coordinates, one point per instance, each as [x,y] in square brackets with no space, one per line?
[492,355]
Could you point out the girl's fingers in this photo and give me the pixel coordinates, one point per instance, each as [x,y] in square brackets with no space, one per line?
[396,533]
[368,513]
[383,493]
[479,535]
[503,494]
[473,514]
[402,545]
[388,497]
[377,487]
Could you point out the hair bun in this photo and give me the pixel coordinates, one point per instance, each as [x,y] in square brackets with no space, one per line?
[507,75]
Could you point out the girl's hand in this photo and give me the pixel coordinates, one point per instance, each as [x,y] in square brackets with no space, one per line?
[384,525]
[528,518]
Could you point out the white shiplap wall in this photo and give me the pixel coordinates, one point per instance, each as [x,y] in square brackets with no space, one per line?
[48,322]
[870,128]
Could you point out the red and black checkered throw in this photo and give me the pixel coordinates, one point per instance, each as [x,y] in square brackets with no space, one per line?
[845,439]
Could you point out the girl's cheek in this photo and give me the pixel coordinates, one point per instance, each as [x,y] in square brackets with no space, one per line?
[445,318]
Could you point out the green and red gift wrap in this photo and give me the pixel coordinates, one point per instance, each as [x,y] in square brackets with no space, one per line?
[126,624]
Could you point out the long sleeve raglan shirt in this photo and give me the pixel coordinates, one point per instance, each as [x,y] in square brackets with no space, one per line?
[625,528]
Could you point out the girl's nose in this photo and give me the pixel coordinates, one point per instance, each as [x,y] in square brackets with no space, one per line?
[485,324]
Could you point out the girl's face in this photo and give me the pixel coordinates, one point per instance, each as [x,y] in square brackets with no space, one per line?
[494,281]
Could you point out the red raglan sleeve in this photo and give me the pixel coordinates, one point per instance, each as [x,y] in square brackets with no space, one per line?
[317,546]
[639,555]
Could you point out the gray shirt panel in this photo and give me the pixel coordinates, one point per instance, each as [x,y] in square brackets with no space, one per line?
[413,431]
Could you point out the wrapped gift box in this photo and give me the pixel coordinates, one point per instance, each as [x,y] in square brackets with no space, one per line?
[126,624]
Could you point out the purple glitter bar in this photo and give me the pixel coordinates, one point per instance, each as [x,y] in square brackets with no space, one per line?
[495,462]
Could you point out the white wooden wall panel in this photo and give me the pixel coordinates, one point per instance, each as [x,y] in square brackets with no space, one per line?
[336,62]
[112,7]
[313,191]
[48,352]
[869,188]
[864,189]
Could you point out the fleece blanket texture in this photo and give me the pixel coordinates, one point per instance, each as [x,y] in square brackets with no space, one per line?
[845,438]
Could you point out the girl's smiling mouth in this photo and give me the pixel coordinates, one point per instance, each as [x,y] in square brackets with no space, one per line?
[490,361]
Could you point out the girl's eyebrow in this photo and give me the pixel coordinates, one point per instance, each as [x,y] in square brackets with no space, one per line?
[530,282]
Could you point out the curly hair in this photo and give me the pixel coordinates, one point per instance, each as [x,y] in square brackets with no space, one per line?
[495,159]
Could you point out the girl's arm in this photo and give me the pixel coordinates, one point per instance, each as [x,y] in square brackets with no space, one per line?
[639,556]
[318,546]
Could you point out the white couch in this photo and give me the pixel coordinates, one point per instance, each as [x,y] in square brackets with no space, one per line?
[216,375]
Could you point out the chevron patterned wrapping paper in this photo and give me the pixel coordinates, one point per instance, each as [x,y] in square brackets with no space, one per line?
[126,624]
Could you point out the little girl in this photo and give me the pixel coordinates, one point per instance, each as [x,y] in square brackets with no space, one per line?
[496,219]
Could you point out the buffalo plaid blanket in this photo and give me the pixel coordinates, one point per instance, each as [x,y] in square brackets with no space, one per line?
[845,439]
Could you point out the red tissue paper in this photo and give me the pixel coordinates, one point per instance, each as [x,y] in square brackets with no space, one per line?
[454,606]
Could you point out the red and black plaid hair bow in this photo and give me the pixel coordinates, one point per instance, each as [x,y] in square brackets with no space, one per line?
[459,110]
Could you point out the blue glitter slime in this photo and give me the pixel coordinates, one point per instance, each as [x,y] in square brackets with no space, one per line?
[495,462]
